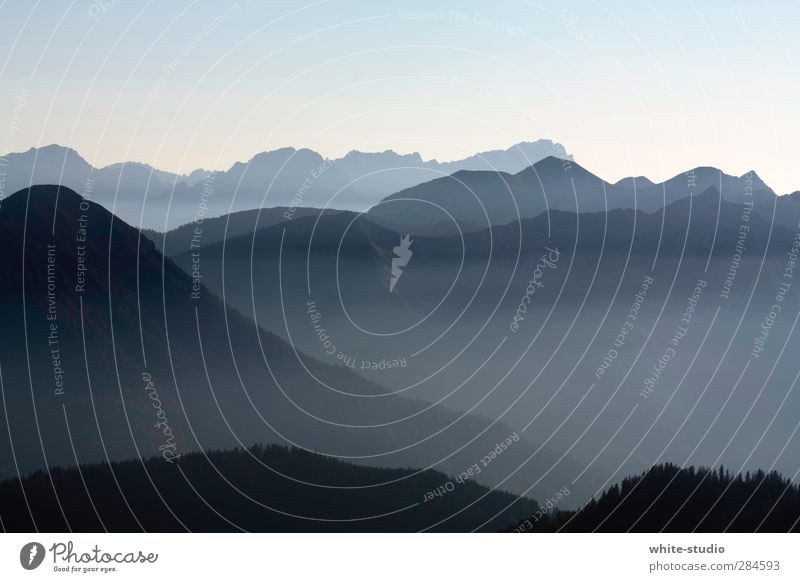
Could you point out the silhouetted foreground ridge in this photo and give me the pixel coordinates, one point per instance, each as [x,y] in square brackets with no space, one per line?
[259,489]
[667,498]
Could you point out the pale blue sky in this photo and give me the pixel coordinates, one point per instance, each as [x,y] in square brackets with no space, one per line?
[649,88]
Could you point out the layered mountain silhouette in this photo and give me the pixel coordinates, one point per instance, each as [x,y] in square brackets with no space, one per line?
[450,315]
[151,198]
[481,199]
[208,231]
[288,326]
[406,193]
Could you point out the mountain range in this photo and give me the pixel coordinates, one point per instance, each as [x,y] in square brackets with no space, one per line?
[151,198]
[280,326]
[401,192]
[479,199]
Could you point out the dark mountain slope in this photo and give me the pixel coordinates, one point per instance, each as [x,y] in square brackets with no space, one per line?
[207,231]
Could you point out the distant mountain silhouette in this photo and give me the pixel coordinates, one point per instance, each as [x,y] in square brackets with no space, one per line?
[700,179]
[490,188]
[510,160]
[782,210]
[54,164]
[489,198]
[159,200]
[635,181]
[212,230]
[209,231]
[264,489]
[670,499]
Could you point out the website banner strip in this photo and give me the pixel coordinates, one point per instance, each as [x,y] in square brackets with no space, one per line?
[399,557]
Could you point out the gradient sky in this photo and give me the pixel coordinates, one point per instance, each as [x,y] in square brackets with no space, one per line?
[650,88]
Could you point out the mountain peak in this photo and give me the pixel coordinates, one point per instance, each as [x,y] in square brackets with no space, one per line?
[49,211]
[553,164]
[53,151]
[287,151]
[414,157]
[48,192]
[533,147]
[638,181]
[52,148]
[710,192]
[757,181]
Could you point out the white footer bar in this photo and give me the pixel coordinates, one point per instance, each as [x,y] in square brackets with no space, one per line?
[399,557]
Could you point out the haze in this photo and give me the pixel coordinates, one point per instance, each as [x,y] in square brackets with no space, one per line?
[627,88]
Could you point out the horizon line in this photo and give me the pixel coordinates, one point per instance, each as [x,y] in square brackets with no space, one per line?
[566,156]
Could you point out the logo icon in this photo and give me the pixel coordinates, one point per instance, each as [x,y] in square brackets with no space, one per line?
[31,555]
[402,256]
